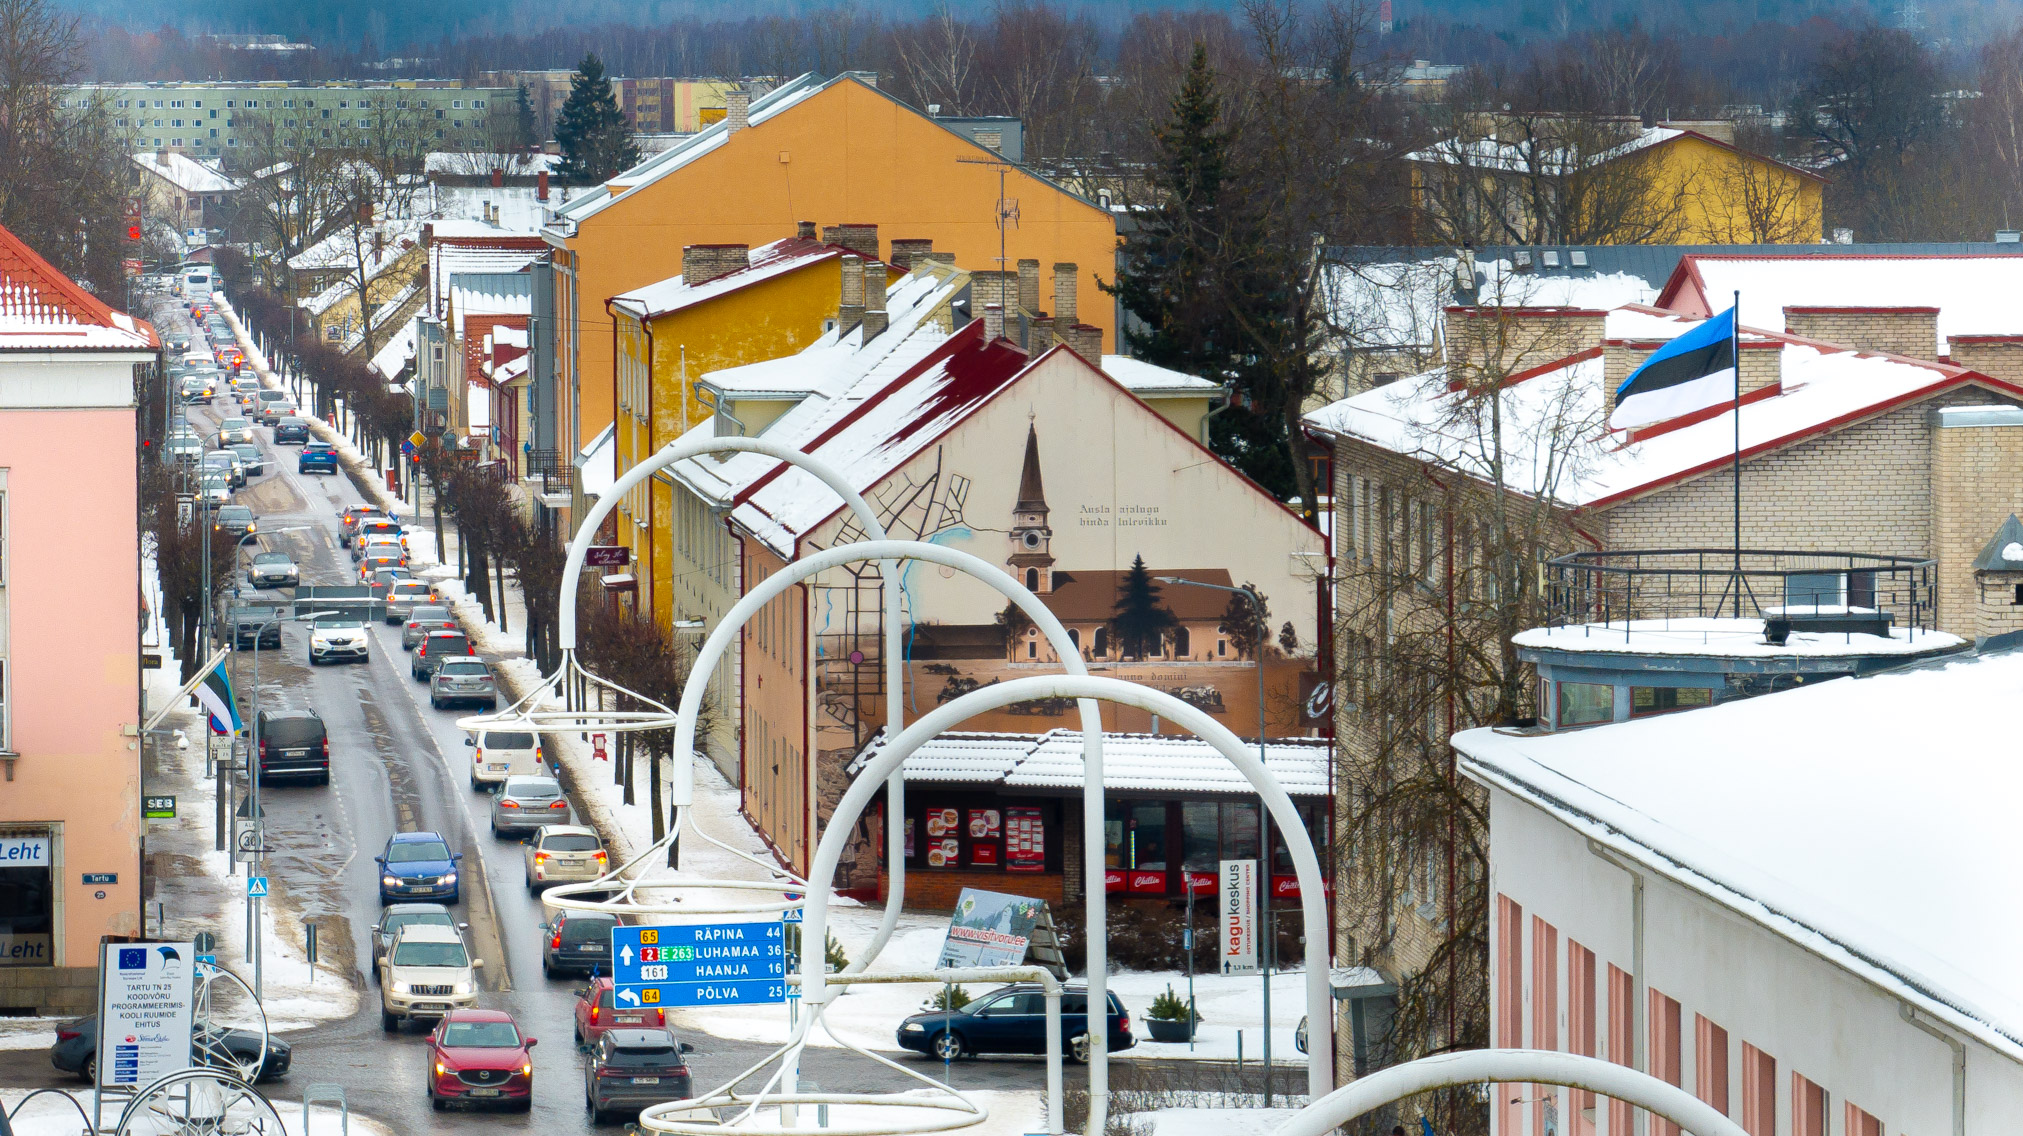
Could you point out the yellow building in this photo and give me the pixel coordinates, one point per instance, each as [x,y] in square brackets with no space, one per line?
[1563,180]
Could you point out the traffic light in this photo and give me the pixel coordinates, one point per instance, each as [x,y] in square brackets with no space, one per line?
[133,232]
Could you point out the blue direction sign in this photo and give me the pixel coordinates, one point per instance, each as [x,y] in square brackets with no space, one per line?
[706,964]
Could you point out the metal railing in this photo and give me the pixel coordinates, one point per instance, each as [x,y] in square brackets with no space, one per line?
[1614,589]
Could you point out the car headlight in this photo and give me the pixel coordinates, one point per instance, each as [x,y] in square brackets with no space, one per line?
[913,1027]
[390,881]
[403,988]
[464,988]
[449,877]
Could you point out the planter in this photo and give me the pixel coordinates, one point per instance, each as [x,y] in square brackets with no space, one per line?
[1163,1030]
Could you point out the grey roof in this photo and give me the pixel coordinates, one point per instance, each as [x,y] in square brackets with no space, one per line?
[1996,557]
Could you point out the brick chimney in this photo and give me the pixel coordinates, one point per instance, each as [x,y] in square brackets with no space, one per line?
[860,239]
[1484,343]
[937,256]
[498,177]
[875,323]
[805,230]
[1040,335]
[541,186]
[1913,332]
[1762,365]
[1996,356]
[850,311]
[702,263]
[1064,293]
[1085,340]
[1029,285]
[874,286]
[908,251]
[737,110]
[993,322]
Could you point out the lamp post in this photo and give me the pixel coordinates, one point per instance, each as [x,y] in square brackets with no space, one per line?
[1263,814]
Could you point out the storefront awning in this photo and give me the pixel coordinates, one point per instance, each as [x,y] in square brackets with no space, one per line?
[1165,763]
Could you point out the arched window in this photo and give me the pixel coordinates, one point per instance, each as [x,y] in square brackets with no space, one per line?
[1075,637]
[1099,645]
[1181,646]
[1032,579]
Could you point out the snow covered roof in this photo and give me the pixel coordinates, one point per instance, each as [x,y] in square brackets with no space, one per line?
[1554,439]
[1731,639]
[1974,294]
[1893,871]
[338,250]
[41,309]
[398,306]
[398,350]
[1528,155]
[597,463]
[1403,303]
[479,164]
[1146,762]
[518,209]
[767,262]
[185,173]
[452,253]
[1149,380]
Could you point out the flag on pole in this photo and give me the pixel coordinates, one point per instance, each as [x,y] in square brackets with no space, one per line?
[214,694]
[1692,372]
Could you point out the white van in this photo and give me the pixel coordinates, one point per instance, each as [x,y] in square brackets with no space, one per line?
[499,754]
[197,283]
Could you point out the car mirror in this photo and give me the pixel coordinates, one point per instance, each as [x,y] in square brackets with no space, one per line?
[379,859]
[532,1042]
[463,926]
[687,1048]
[581,991]
[546,927]
[477,964]
[455,856]
[470,741]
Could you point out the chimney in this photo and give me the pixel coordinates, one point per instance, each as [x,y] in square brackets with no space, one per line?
[832,234]
[908,251]
[1064,293]
[1029,285]
[1085,340]
[541,186]
[1486,344]
[805,230]
[498,177]
[936,257]
[378,243]
[874,286]
[850,311]
[875,322]
[1913,332]
[162,156]
[1040,336]
[993,322]
[1996,356]
[701,264]
[860,239]
[986,288]
[737,110]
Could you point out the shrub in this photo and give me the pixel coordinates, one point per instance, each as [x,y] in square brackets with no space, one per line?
[948,998]
[1170,1007]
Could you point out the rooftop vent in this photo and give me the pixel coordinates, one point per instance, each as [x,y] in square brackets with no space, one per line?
[1551,258]
[1523,258]
[2008,236]
[1577,258]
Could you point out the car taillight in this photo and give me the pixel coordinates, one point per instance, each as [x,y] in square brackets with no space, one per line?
[509,804]
[68,1035]
[326,747]
[555,944]
[600,858]
[263,747]
[594,1010]
[411,625]
[660,1017]
[540,857]
[559,805]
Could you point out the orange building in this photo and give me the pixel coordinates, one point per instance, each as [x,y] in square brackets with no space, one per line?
[837,151]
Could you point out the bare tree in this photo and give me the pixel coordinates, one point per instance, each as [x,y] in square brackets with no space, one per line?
[1040,69]
[1758,202]
[937,59]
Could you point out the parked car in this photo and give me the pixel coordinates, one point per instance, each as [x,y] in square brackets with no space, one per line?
[235,520]
[526,803]
[438,646]
[633,1069]
[1012,1019]
[235,430]
[317,457]
[480,1056]
[407,595]
[338,636]
[76,1049]
[399,915]
[426,973]
[563,853]
[597,1013]
[578,942]
[273,570]
[421,621]
[499,754]
[290,429]
[465,679]
[250,459]
[418,865]
[294,743]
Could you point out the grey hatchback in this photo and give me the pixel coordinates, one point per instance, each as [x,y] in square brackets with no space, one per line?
[527,803]
[422,620]
[398,915]
[467,679]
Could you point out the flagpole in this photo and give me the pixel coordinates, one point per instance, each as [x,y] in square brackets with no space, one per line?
[1735,349]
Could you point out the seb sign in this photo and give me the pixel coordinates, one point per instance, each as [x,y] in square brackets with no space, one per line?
[1236,904]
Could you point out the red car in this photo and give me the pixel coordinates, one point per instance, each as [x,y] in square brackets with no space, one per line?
[597,1013]
[480,1056]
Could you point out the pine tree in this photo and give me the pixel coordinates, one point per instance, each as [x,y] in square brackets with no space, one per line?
[523,121]
[590,130]
[1140,620]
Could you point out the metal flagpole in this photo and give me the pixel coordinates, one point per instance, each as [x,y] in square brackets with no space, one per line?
[1735,350]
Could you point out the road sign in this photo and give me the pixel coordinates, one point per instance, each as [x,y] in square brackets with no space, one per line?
[158,808]
[146,999]
[418,438]
[607,556]
[256,887]
[150,661]
[1237,904]
[408,448]
[704,964]
[204,942]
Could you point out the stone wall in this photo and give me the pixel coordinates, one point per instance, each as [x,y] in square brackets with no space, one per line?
[1977,481]
[1912,332]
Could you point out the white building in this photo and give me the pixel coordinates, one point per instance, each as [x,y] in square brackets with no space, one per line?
[1799,907]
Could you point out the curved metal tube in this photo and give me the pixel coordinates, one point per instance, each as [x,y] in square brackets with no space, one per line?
[1306,865]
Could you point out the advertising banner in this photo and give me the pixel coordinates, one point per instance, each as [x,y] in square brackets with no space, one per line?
[989,929]
[146,996]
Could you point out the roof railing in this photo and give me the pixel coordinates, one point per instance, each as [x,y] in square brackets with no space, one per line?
[1653,587]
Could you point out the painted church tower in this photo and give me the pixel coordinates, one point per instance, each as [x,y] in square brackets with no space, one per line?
[1032,558]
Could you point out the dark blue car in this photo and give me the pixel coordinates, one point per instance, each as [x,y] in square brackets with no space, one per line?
[418,865]
[1012,1019]
[317,457]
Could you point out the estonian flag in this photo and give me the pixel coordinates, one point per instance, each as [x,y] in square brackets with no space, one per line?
[1692,372]
[214,694]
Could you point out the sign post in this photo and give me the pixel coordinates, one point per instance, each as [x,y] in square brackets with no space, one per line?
[698,964]
[146,1001]
[1237,912]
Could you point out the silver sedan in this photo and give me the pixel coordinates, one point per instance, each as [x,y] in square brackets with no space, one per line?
[421,621]
[527,803]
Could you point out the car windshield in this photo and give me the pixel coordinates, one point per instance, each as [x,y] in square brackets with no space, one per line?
[570,842]
[464,669]
[481,1035]
[417,852]
[539,788]
[509,740]
[401,919]
[340,621]
[430,954]
[234,424]
[247,450]
[273,560]
[428,612]
[234,514]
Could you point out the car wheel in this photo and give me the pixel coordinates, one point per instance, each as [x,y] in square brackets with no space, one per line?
[437,1103]
[434,702]
[90,1071]
[948,1046]
[1078,1049]
[389,1022]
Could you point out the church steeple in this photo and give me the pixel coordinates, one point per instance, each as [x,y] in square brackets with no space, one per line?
[1032,559]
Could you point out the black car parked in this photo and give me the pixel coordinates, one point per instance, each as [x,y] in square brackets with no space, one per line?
[1012,1019]
[294,743]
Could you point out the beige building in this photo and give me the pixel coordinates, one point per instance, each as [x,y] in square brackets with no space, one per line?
[188,193]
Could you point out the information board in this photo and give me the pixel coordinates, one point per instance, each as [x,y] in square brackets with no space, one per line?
[989,929]
[145,1000]
[1236,947]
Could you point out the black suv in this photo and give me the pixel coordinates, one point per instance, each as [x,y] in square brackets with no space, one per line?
[293,743]
[1012,1019]
[577,942]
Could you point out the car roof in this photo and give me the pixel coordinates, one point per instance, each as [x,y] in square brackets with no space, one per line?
[567,830]
[430,933]
[461,658]
[290,712]
[475,1015]
[633,1036]
[417,837]
[414,909]
[530,779]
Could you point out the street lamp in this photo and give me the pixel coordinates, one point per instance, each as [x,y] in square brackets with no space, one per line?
[1264,814]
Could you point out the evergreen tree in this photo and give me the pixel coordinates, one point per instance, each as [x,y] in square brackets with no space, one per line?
[523,121]
[590,131]
[1140,620]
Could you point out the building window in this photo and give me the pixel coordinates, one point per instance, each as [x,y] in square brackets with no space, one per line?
[1710,1063]
[1032,579]
[1665,1062]
[1032,644]
[176,122]
[1214,831]
[1812,590]
[1075,637]
[1586,703]
[1622,1035]
[1808,1108]
[1580,1026]
[27,897]
[1759,1092]
[457,103]
[1544,984]
[1182,643]
[477,104]
[1648,700]
[231,103]
[1099,642]
[1509,1005]
[1860,1123]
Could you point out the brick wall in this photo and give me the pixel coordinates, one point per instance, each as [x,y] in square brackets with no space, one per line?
[1496,342]
[1977,481]
[1998,612]
[1996,356]
[703,263]
[1898,331]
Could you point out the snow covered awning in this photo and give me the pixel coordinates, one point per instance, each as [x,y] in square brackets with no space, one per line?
[1167,763]
[597,464]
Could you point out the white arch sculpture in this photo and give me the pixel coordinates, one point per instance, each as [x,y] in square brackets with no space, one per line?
[1513,1066]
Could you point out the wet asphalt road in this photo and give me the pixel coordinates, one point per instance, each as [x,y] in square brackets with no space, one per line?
[398,765]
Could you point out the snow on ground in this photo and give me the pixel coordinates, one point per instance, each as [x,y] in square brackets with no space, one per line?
[1224,1121]
[48,1115]
[1011,1113]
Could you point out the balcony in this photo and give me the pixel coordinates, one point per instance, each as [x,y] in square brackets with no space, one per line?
[1846,593]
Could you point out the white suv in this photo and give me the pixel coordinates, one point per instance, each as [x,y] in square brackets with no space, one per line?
[426,973]
[338,637]
[499,754]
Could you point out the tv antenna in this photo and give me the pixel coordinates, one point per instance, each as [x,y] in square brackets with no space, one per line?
[1007,207]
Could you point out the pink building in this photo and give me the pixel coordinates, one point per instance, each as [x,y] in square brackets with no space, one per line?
[70,828]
